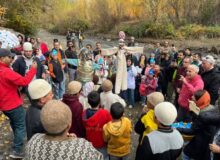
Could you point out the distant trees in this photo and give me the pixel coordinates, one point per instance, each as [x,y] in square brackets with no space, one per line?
[104,15]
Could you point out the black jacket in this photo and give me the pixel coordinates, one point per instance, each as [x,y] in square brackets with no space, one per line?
[161,145]
[33,122]
[72,55]
[204,129]
[57,70]
[19,66]
[211,81]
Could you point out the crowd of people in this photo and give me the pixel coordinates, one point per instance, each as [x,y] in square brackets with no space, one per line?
[73,119]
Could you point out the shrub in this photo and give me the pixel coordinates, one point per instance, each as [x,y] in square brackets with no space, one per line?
[69,24]
[22,24]
[161,31]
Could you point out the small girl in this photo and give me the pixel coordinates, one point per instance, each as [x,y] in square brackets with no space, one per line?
[147,86]
[132,73]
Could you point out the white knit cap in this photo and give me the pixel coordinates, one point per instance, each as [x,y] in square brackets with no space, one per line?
[39,88]
[155,98]
[165,113]
[27,46]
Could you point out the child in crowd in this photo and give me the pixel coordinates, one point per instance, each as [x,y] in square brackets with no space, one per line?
[55,69]
[147,86]
[94,119]
[132,73]
[71,98]
[146,123]
[151,82]
[86,89]
[152,59]
[117,134]
[107,97]
[40,56]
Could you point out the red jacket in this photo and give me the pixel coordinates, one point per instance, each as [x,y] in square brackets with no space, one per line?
[94,125]
[10,81]
[77,109]
[44,47]
[188,89]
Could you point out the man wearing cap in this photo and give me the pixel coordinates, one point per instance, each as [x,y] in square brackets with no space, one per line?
[165,143]
[40,92]
[23,64]
[10,100]
[211,77]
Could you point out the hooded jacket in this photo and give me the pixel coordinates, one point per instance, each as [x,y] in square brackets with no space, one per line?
[118,137]
[94,126]
[77,109]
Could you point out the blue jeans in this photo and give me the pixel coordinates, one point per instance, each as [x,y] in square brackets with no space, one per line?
[130,97]
[104,152]
[17,121]
[58,91]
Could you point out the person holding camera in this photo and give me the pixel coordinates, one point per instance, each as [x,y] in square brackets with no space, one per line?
[11,101]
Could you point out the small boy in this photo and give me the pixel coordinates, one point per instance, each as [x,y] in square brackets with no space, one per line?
[94,119]
[107,97]
[146,123]
[71,98]
[56,71]
[117,134]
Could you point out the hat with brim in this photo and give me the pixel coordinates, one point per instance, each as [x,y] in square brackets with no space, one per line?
[5,53]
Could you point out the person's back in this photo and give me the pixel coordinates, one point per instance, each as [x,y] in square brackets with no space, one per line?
[57,144]
[94,119]
[165,143]
[72,148]
[40,92]
[107,97]
[71,98]
[117,133]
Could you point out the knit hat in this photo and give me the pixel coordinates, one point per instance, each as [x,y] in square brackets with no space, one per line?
[107,86]
[151,72]
[155,98]
[165,113]
[54,52]
[27,46]
[74,87]
[39,88]
[210,59]
[55,116]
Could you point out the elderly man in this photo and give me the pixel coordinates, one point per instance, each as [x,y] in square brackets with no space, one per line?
[10,100]
[211,77]
[191,83]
